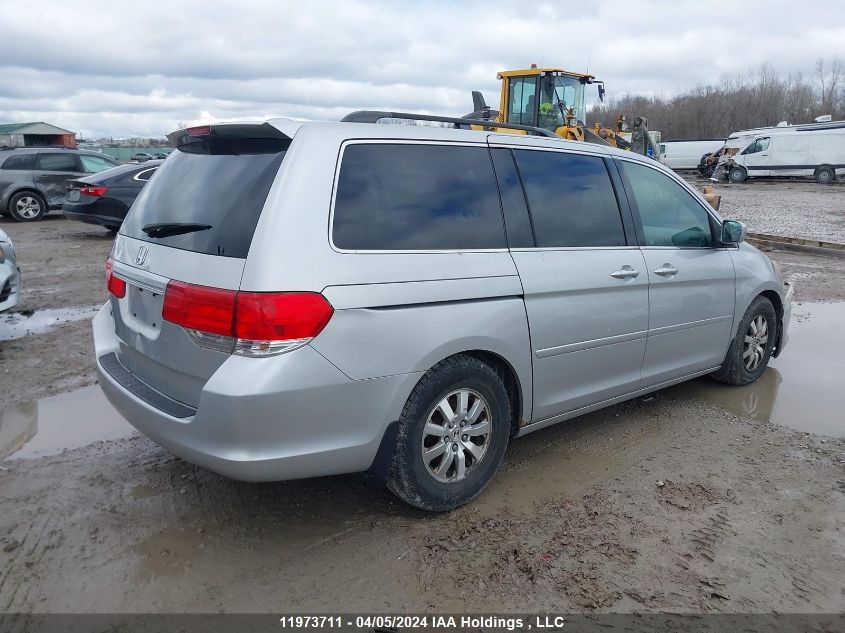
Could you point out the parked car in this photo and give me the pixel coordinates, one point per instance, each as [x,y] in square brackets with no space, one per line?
[33,179]
[10,274]
[303,299]
[141,157]
[161,155]
[105,198]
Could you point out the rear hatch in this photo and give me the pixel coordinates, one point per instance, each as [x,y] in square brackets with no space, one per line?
[192,224]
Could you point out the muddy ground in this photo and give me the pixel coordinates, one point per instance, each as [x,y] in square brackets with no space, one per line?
[670,502]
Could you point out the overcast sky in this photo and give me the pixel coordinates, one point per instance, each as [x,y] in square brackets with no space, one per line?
[119,68]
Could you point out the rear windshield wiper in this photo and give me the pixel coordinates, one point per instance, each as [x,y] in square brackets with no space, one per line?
[167,229]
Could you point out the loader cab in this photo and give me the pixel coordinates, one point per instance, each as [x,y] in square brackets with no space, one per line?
[549,98]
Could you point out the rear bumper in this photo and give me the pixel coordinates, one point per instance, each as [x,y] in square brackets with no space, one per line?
[286,417]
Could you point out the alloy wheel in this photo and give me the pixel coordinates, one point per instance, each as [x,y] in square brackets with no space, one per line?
[756,338]
[456,435]
[28,207]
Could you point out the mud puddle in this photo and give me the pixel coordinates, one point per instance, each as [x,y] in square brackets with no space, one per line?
[805,387]
[17,325]
[52,425]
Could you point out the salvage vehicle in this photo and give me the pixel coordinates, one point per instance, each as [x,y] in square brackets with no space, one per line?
[10,274]
[33,179]
[295,299]
[813,150]
[105,198]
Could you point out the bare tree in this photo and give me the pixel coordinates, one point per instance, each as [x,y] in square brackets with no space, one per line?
[830,78]
[762,97]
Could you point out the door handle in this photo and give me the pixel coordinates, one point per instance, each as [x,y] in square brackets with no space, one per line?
[626,272]
[666,270]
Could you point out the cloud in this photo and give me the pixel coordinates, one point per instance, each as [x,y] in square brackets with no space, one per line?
[126,69]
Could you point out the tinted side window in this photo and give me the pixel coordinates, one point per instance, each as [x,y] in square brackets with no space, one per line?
[20,161]
[571,199]
[416,197]
[517,220]
[56,162]
[670,215]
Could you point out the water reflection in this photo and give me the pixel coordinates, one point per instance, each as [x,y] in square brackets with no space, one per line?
[805,387]
[51,425]
[18,425]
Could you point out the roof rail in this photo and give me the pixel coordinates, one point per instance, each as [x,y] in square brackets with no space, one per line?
[374,116]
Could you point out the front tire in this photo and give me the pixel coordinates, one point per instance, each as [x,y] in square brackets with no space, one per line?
[452,435]
[737,175]
[752,347]
[27,207]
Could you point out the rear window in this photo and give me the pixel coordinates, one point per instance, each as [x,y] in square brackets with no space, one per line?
[221,184]
[20,161]
[417,197]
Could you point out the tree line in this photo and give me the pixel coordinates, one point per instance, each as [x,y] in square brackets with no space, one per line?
[762,97]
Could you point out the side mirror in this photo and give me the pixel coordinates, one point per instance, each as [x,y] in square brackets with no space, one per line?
[601,92]
[733,232]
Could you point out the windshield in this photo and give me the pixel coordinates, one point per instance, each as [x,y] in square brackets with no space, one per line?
[557,95]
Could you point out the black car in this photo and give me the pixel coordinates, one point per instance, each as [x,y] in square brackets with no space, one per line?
[105,198]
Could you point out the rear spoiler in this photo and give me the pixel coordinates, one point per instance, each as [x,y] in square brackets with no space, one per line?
[226,131]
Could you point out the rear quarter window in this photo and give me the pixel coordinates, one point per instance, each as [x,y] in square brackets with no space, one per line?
[219,183]
[416,197]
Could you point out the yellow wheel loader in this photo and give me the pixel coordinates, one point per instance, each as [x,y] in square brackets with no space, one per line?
[554,99]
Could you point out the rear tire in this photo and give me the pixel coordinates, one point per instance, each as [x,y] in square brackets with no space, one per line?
[737,175]
[752,347]
[825,175]
[27,207]
[452,435]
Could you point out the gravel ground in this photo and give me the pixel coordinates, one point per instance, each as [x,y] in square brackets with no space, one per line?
[792,208]
[665,503]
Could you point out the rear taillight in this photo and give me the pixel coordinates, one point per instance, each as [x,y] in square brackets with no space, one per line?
[93,191]
[252,323]
[200,308]
[116,286]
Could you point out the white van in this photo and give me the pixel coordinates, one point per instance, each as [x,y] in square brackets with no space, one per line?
[814,150]
[687,154]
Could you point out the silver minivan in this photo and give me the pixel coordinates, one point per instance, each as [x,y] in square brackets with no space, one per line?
[302,299]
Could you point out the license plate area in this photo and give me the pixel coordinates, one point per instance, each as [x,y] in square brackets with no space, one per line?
[143,310]
[73,195]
